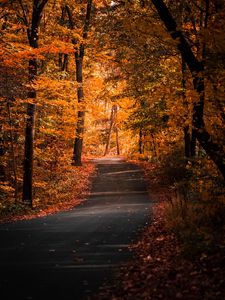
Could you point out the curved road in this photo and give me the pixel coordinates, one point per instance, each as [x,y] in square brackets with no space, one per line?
[69,255]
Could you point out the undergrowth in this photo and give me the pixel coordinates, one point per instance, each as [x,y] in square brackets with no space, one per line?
[54,190]
[195,206]
[193,194]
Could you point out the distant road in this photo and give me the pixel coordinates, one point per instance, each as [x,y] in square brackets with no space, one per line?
[70,254]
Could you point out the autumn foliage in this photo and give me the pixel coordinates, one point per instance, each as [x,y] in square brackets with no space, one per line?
[67,65]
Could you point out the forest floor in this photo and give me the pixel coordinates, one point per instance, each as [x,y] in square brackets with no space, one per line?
[74,187]
[164,267]
[68,255]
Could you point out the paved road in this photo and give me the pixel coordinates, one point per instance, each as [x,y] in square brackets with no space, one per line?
[69,255]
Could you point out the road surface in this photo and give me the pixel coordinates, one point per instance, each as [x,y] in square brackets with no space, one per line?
[70,254]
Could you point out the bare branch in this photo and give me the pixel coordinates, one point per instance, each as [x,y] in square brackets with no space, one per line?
[25,18]
[42,5]
[69,13]
[87,19]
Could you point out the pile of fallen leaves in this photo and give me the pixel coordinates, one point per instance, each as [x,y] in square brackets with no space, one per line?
[161,271]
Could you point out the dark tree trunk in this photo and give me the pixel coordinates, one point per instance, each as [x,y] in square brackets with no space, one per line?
[187,142]
[189,135]
[140,144]
[117,141]
[182,44]
[60,61]
[2,153]
[193,142]
[79,56]
[32,33]
[64,57]
[214,150]
[78,143]
[28,155]
[13,153]
[65,62]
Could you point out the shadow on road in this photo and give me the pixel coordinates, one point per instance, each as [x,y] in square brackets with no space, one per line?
[70,254]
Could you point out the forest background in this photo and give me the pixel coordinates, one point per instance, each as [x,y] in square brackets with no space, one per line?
[141,79]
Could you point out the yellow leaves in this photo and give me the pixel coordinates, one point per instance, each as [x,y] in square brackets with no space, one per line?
[40,184]
[55,92]
[103,57]
[5,187]
[64,33]
[14,53]
[126,103]
[51,131]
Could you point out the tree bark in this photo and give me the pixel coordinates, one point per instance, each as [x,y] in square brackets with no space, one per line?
[13,153]
[32,34]
[214,150]
[189,137]
[111,126]
[63,57]
[79,57]
[2,153]
[140,144]
[117,141]
[63,62]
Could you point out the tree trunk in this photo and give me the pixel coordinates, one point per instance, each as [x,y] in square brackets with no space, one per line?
[140,141]
[65,62]
[112,122]
[28,155]
[13,154]
[189,137]
[2,153]
[32,33]
[60,61]
[117,141]
[78,143]
[79,56]
[154,146]
[187,142]
[214,150]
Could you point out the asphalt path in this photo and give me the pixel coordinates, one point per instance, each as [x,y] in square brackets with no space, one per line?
[69,255]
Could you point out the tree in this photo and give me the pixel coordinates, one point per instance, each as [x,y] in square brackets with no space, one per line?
[53,91]
[112,127]
[32,35]
[196,67]
[79,58]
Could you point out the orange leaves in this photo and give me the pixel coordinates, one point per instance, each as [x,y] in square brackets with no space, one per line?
[66,34]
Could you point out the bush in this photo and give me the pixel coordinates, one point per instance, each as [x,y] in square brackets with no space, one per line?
[195,209]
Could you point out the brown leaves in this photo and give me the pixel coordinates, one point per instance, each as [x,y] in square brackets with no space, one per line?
[72,189]
[162,272]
